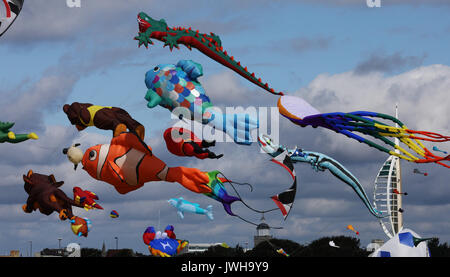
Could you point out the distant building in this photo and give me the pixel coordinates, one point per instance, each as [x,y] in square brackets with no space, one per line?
[199,247]
[374,245]
[120,253]
[50,253]
[12,253]
[262,233]
[103,249]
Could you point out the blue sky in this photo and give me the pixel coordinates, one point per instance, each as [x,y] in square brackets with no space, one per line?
[339,57]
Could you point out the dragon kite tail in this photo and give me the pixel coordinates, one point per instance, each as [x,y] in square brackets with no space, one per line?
[210,45]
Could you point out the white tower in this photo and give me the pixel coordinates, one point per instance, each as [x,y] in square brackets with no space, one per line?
[387,193]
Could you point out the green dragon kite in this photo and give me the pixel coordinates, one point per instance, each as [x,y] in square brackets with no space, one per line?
[210,45]
[8,136]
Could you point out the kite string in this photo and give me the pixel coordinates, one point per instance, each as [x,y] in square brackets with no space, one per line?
[237,193]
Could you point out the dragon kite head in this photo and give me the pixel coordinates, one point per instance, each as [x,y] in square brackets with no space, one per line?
[268,145]
[146,22]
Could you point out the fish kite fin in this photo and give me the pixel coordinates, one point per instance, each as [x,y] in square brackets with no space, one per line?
[180,214]
[209,213]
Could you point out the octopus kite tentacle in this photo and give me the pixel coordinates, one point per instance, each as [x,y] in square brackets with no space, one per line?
[302,114]
[210,45]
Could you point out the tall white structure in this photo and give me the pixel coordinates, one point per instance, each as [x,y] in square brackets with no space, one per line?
[386,200]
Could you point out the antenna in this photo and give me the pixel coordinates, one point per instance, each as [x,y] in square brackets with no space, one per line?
[397,141]
[159,217]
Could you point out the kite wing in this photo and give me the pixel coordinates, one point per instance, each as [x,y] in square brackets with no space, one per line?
[285,199]
[9,10]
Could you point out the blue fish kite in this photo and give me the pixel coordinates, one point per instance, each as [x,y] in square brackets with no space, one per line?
[176,86]
[186,206]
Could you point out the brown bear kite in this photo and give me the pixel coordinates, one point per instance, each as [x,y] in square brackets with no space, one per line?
[116,119]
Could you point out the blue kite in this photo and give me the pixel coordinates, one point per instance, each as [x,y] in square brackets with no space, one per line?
[176,86]
[186,206]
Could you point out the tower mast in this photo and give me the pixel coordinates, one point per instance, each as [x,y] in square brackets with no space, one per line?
[399,182]
[386,200]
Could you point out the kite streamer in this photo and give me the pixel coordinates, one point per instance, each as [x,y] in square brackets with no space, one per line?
[301,113]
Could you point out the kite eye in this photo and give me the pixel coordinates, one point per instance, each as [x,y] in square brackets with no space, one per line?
[156,68]
[92,155]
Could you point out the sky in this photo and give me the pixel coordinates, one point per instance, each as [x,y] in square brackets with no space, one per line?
[340,56]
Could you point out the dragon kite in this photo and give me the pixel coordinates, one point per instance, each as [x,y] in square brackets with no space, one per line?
[210,45]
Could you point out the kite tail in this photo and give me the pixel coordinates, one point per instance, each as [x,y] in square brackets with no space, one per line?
[219,193]
[429,136]
[227,200]
[240,198]
[430,157]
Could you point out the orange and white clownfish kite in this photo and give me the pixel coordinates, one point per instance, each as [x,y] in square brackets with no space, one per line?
[128,163]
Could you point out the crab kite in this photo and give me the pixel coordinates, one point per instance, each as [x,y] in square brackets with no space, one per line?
[303,114]
[319,162]
[210,45]
[176,88]
[8,136]
[163,244]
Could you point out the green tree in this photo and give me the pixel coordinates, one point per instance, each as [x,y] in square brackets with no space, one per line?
[438,250]
[348,247]
[269,248]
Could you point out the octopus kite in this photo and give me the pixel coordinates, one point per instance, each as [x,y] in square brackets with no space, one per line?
[176,86]
[210,45]
[8,136]
[301,113]
[319,162]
